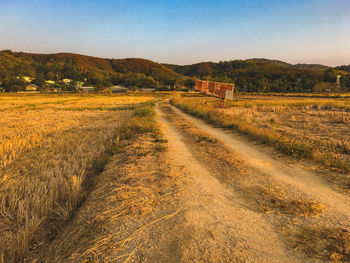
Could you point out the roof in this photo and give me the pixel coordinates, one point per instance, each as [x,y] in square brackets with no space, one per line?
[117,87]
[148,89]
[86,88]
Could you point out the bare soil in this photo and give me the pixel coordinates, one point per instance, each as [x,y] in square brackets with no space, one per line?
[222,228]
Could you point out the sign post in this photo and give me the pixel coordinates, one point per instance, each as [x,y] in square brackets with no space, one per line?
[224,91]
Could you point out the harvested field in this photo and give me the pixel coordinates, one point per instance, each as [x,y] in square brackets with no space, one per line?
[70,102]
[48,158]
[122,179]
[316,128]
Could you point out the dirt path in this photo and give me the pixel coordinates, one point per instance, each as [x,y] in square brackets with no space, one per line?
[220,227]
[260,159]
[207,195]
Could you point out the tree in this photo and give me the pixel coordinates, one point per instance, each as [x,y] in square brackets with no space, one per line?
[39,80]
[51,76]
[100,88]
[203,70]
[329,76]
[14,84]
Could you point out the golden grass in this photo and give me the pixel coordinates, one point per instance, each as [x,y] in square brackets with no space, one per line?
[70,102]
[275,199]
[45,157]
[325,244]
[46,179]
[127,203]
[295,215]
[314,131]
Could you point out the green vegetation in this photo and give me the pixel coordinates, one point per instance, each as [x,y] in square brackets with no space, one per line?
[92,71]
[253,75]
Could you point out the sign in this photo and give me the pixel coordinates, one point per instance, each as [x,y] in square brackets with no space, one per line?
[217,89]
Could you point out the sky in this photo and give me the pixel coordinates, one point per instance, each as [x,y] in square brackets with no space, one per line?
[181,31]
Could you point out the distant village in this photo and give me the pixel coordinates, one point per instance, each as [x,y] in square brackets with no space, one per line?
[69,86]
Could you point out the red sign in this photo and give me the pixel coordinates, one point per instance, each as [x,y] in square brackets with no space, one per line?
[221,90]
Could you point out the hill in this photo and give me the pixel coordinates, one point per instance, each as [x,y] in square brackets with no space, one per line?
[311,66]
[92,70]
[343,68]
[251,75]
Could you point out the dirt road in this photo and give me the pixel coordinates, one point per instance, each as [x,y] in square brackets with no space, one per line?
[222,228]
[220,202]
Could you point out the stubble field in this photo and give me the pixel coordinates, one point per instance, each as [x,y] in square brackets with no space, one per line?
[315,128]
[120,178]
[49,144]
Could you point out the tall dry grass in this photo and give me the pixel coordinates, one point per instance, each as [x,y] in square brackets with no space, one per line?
[70,102]
[301,130]
[45,157]
[45,181]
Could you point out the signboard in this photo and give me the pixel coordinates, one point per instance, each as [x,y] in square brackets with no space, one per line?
[211,87]
[217,89]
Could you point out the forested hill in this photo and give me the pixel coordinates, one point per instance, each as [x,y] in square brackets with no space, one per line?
[344,68]
[252,75]
[263,75]
[92,70]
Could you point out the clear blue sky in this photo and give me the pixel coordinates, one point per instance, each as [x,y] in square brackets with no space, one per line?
[182,32]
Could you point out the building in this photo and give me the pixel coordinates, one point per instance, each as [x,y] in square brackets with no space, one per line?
[148,90]
[51,82]
[31,87]
[54,90]
[86,89]
[118,89]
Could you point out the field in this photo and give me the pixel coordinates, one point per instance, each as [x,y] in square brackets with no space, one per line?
[49,144]
[316,128]
[154,178]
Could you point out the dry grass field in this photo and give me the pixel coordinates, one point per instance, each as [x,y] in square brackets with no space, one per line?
[125,179]
[49,147]
[70,102]
[316,128]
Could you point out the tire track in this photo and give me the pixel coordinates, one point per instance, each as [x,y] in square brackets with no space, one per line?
[219,226]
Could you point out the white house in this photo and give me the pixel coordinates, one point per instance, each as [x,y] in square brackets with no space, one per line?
[32,87]
[117,88]
[148,90]
[86,89]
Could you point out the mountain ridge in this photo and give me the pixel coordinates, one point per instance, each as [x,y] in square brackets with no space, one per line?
[255,74]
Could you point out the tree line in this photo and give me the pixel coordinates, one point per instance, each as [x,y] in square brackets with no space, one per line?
[255,75]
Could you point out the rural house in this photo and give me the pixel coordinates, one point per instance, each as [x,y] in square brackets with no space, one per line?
[117,89]
[31,87]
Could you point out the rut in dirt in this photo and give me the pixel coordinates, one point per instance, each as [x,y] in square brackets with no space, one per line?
[218,225]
